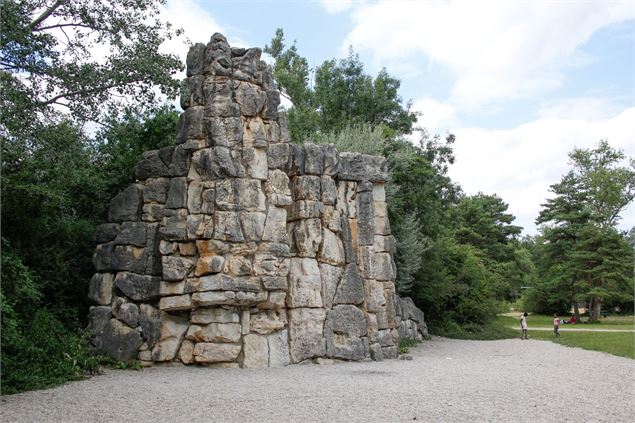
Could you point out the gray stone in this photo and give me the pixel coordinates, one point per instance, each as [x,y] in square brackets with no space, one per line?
[227,226]
[100,288]
[176,268]
[150,322]
[240,195]
[390,352]
[270,265]
[314,159]
[346,194]
[195,59]
[296,153]
[330,278]
[219,101]
[278,343]
[192,92]
[329,190]
[238,266]
[209,265]
[278,156]
[305,333]
[207,315]
[307,188]
[365,218]
[186,352]
[118,341]
[126,205]
[212,298]
[275,283]
[277,188]
[152,165]
[275,227]
[255,351]
[180,164]
[332,249]
[383,267]
[250,98]
[132,233]
[305,284]
[285,136]
[176,303]
[343,328]
[205,352]
[110,257]
[266,322]
[152,212]
[360,167]
[331,160]
[221,282]
[137,287]
[385,244]
[376,352]
[127,313]
[105,232]
[245,63]
[173,328]
[271,105]
[351,287]
[98,318]
[215,332]
[375,298]
[255,160]
[155,190]
[254,133]
[348,233]
[225,132]
[174,227]
[306,236]
[177,194]
[190,124]
[253,225]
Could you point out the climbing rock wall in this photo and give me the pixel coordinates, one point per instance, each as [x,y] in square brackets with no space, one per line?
[237,248]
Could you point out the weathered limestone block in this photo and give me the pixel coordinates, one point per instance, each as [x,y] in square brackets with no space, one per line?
[176,303]
[296,160]
[385,244]
[218,56]
[215,332]
[313,159]
[365,218]
[253,225]
[174,225]
[152,212]
[127,204]
[132,233]
[219,101]
[329,190]
[306,237]
[199,226]
[276,300]
[100,288]
[271,265]
[238,266]
[195,60]
[331,219]
[207,315]
[221,282]
[98,318]
[137,287]
[153,164]
[330,276]
[176,268]
[376,352]
[360,167]
[118,341]
[278,156]
[245,63]
[266,322]
[255,351]
[173,329]
[155,190]
[255,160]
[205,352]
[209,264]
[383,267]
[191,93]
[375,299]
[305,284]
[225,132]
[331,249]
[306,209]
[305,333]
[240,195]
[186,352]
[275,227]
[346,194]
[344,326]
[190,124]
[307,188]
[106,232]
[227,226]
[278,343]
[150,322]
[351,287]
[126,312]
[331,160]
[250,98]
[277,188]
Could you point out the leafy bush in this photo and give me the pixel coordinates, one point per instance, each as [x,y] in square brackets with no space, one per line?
[360,138]
[405,344]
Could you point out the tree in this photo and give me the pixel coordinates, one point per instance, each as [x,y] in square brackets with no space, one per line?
[342,94]
[586,259]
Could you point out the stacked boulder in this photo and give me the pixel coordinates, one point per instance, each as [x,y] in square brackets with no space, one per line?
[237,248]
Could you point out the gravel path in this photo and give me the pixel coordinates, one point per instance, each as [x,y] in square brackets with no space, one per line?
[447,381]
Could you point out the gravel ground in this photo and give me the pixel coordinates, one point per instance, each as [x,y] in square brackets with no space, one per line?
[447,381]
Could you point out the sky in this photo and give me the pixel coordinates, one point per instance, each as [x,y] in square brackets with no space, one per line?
[519,83]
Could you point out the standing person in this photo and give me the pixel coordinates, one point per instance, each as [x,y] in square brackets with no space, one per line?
[523,326]
[556,325]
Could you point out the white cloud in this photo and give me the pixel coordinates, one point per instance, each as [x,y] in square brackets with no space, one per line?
[437,116]
[497,49]
[521,163]
[337,6]
[587,108]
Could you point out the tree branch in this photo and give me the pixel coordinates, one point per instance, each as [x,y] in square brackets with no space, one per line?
[48,12]
[79,25]
[87,91]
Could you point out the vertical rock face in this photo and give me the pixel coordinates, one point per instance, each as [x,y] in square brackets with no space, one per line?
[236,247]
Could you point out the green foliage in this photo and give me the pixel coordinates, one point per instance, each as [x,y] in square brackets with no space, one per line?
[359,138]
[336,95]
[405,344]
[489,331]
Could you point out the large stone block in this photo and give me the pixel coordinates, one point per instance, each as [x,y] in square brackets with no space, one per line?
[253,225]
[215,332]
[205,352]
[332,249]
[126,205]
[221,282]
[227,226]
[255,351]
[118,341]
[100,288]
[266,322]
[365,218]
[351,287]
[132,233]
[240,195]
[375,299]
[225,132]
[313,159]
[176,268]
[207,315]
[307,187]
[150,323]
[275,228]
[177,194]
[305,284]
[255,160]
[344,326]
[306,236]
[306,339]
[383,267]
[277,188]
[195,59]
[98,318]
[190,124]
[106,232]
[278,343]
[137,287]
[176,303]
[173,328]
[278,156]
[153,165]
[330,279]
[250,98]
[360,167]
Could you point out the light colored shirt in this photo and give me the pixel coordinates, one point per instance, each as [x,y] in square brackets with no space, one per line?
[523,322]
[556,322]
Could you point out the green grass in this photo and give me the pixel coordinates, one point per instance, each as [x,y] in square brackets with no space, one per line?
[618,343]
[487,332]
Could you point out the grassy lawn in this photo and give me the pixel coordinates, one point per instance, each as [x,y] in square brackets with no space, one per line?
[621,344]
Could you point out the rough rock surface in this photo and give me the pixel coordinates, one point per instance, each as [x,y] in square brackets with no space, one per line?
[237,248]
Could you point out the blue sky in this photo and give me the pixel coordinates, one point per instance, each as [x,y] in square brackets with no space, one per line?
[519,83]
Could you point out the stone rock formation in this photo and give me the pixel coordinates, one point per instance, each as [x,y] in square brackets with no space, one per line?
[237,248]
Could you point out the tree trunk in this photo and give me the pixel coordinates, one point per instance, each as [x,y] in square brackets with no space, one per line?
[576,311]
[597,308]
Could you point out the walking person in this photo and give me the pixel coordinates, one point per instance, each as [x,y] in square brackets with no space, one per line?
[523,326]
[556,325]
